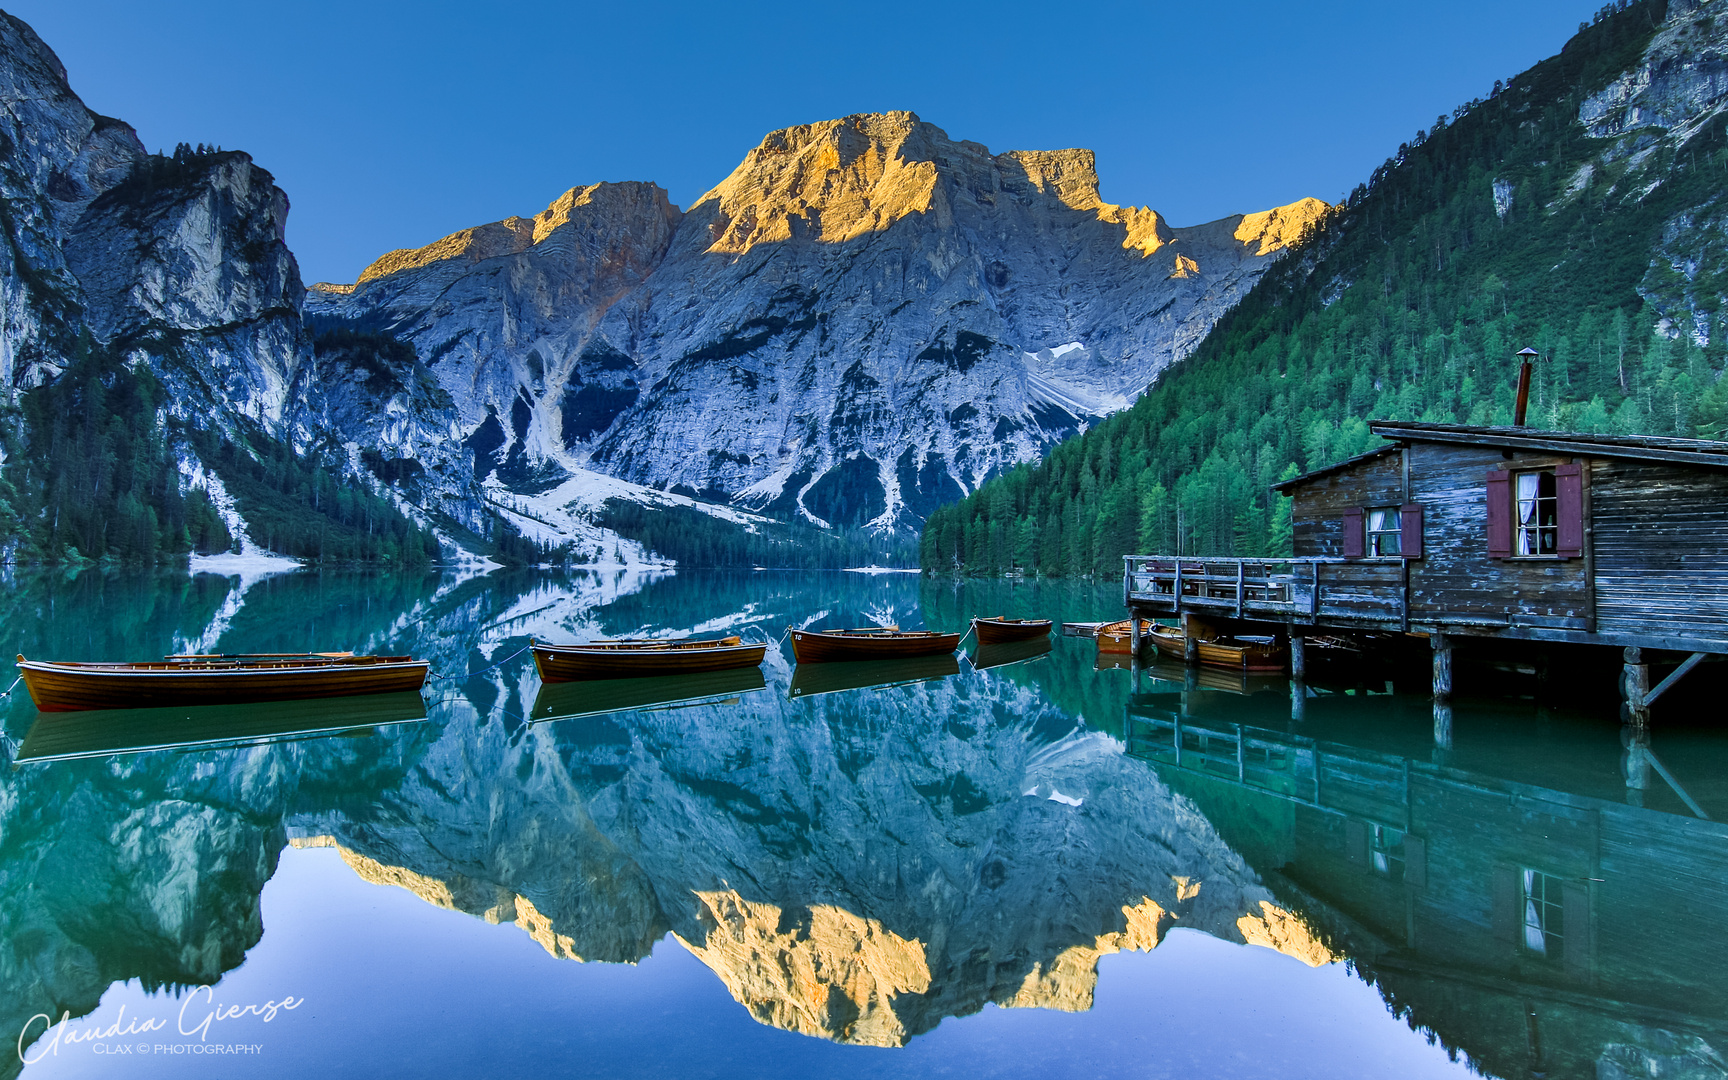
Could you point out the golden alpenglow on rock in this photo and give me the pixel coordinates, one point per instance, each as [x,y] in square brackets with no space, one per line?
[1068,982]
[1285,932]
[1276,229]
[507,237]
[837,180]
[1185,267]
[841,179]
[834,975]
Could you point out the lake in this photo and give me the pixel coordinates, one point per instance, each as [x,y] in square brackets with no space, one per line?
[1021,864]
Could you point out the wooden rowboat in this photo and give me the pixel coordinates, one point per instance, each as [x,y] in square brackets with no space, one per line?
[636,659]
[1239,654]
[998,629]
[869,643]
[1117,637]
[216,680]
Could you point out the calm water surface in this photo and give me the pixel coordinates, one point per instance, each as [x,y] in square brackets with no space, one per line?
[1013,865]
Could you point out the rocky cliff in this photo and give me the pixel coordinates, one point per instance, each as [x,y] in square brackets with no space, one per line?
[178,262]
[865,320]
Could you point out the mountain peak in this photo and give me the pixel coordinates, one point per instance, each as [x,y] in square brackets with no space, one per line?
[514,235]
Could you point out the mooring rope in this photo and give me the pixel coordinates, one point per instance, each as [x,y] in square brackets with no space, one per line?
[960,646]
[13,687]
[488,667]
[786,635]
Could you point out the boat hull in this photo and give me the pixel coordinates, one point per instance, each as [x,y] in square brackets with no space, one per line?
[639,660]
[816,647]
[56,687]
[1237,656]
[999,631]
[1117,637]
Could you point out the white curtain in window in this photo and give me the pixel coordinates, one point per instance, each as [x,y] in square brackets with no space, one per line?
[1527,532]
[1534,939]
[1380,521]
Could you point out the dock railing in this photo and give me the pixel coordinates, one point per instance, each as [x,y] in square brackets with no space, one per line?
[1280,589]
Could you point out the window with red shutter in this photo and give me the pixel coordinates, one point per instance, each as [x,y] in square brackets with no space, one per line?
[1569,492]
[1410,516]
[1353,533]
[1499,514]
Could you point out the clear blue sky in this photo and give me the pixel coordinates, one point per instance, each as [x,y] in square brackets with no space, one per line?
[393,123]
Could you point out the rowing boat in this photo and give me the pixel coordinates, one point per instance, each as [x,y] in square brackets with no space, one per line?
[641,658]
[231,679]
[1118,637]
[997,629]
[869,643]
[1239,654]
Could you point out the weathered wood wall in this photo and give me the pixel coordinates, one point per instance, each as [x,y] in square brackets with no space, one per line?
[1456,578]
[1661,548]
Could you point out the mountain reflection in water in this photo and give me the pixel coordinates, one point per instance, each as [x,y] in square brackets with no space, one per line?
[859,861]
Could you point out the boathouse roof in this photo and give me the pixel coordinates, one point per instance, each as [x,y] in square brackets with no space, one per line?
[1710,453]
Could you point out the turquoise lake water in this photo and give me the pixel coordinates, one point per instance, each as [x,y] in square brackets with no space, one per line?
[1012,865]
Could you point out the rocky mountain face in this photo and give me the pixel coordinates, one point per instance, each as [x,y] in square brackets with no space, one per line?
[177,266]
[178,262]
[864,321]
[1665,108]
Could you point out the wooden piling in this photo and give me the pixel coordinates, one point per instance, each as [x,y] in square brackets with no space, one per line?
[1298,657]
[1442,666]
[1635,687]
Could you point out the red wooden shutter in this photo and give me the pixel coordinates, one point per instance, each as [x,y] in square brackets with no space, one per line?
[1569,505]
[1353,533]
[1410,530]
[1499,514]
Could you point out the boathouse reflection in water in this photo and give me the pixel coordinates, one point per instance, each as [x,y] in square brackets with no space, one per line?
[1542,932]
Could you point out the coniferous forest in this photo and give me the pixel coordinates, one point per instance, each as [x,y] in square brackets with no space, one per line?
[1503,226]
[98,478]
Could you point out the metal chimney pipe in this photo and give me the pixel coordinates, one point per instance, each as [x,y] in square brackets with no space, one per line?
[1524,371]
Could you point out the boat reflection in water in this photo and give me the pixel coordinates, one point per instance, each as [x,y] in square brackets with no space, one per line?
[572,700]
[1225,680]
[1009,652]
[809,680]
[1542,931]
[98,733]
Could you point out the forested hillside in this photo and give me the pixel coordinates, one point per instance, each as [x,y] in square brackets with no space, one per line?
[98,477]
[1551,214]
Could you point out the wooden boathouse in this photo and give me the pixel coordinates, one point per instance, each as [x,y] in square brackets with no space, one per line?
[1451,531]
